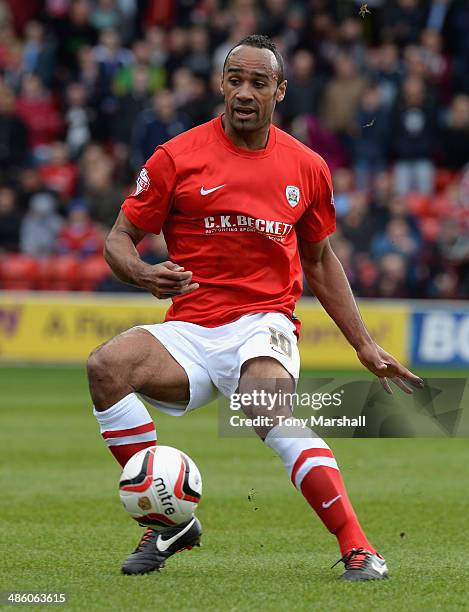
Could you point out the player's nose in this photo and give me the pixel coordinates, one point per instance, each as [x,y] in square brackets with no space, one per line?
[244,93]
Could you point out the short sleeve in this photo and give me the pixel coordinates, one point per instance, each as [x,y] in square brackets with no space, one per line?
[318,220]
[148,206]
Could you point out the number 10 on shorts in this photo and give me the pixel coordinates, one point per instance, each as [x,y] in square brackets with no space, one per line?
[280,342]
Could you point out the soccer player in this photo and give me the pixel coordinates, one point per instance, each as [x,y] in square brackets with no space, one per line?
[244,207]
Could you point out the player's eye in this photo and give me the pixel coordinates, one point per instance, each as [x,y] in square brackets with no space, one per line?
[233,81]
[259,84]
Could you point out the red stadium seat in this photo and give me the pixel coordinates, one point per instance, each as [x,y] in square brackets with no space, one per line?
[92,271]
[60,273]
[19,273]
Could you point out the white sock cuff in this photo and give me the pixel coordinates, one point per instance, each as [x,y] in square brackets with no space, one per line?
[126,413]
[290,442]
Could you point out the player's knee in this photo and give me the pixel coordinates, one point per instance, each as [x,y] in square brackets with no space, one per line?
[102,365]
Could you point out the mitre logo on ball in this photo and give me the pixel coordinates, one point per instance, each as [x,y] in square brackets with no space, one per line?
[143,182]
[293,195]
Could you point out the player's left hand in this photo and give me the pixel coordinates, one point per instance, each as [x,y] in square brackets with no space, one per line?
[387,368]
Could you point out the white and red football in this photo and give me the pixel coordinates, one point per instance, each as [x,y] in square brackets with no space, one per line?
[160,486]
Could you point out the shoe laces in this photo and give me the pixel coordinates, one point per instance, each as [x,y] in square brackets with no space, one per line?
[355,559]
[149,533]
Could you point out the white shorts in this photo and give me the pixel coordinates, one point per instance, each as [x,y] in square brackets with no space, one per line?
[212,356]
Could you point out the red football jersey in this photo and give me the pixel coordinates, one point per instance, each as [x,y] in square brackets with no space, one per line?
[232,217]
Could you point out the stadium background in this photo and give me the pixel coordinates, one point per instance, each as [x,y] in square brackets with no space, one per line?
[88,88]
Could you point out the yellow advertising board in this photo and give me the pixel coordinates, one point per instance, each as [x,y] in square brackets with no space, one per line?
[66,327]
[323,346]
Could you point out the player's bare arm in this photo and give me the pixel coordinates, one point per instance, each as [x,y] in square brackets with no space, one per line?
[327,279]
[163,280]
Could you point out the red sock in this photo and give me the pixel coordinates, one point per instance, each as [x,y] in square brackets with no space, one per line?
[314,471]
[126,428]
[324,490]
[123,452]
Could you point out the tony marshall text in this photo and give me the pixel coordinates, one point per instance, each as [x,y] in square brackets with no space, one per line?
[313,421]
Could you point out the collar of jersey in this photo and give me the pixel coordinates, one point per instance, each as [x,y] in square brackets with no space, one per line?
[217,124]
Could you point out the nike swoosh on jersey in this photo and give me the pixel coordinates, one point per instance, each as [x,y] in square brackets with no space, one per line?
[329,503]
[163,545]
[205,192]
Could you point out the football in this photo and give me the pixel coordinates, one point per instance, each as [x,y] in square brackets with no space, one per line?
[160,486]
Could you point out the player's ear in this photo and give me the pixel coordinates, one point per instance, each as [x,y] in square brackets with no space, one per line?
[221,86]
[281,90]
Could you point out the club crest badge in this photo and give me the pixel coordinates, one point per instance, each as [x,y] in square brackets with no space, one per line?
[144,503]
[293,195]
[143,182]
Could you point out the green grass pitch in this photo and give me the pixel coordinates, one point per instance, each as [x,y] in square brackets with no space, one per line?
[63,529]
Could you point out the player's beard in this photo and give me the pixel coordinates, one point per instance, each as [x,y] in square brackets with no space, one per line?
[251,123]
[248,123]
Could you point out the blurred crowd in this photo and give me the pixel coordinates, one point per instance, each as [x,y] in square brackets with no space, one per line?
[89,88]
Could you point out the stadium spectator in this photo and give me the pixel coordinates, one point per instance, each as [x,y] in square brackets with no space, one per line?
[343,182]
[357,225]
[382,192]
[37,108]
[403,20]
[131,104]
[13,134]
[341,96]
[10,54]
[125,76]
[392,280]
[397,238]
[110,58]
[38,53]
[73,33]
[350,40]
[453,250]
[156,40]
[177,46]
[106,15]
[10,220]
[157,125]
[102,196]
[79,117]
[197,107]
[371,133]
[304,87]
[455,134]
[308,130]
[438,65]
[40,227]
[30,183]
[78,235]
[58,173]
[199,60]
[398,208]
[414,138]
[274,17]
[456,26]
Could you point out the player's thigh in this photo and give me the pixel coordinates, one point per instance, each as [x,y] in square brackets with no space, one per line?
[136,358]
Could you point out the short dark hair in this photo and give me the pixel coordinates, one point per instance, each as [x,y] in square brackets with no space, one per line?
[259,41]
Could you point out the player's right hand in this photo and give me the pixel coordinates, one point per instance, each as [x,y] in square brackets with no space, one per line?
[167,280]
